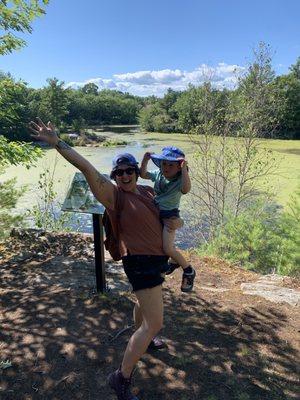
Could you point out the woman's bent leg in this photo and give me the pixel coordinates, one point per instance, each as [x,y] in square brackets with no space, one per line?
[151,307]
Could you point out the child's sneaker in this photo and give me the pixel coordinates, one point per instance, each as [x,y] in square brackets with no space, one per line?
[172,267]
[188,280]
[121,386]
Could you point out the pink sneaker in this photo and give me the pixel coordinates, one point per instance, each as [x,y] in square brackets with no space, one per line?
[156,344]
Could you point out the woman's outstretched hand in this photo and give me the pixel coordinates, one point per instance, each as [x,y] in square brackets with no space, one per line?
[45,133]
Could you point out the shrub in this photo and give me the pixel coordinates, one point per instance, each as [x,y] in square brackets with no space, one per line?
[9,196]
[46,214]
[265,239]
[67,139]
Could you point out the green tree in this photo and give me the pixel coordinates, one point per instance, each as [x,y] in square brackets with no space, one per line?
[17,16]
[147,117]
[14,153]
[289,89]
[229,174]
[90,88]
[263,238]
[295,69]
[14,113]
[256,103]
[168,103]
[54,102]
[200,104]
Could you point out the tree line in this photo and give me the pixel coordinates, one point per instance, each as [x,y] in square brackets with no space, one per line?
[187,111]
[184,111]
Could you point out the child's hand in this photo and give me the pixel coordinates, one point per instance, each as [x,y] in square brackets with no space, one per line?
[183,164]
[147,156]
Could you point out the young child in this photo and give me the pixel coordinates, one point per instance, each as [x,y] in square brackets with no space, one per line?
[170,182]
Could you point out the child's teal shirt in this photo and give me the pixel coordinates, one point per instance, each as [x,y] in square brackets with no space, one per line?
[167,192]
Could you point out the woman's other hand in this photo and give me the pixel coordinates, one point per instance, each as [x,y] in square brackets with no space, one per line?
[45,133]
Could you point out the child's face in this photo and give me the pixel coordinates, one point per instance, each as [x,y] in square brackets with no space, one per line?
[169,169]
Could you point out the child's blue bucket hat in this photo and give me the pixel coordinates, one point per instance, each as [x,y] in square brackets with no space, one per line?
[169,153]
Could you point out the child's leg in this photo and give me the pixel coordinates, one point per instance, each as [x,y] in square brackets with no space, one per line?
[170,250]
[189,273]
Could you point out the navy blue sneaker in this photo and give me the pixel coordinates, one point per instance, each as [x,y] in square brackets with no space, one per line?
[188,280]
[172,267]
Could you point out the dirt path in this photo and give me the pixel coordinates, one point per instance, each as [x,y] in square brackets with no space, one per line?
[59,335]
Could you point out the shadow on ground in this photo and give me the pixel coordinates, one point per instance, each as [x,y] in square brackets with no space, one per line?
[61,340]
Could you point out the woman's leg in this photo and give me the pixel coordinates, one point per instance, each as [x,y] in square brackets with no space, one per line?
[137,315]
[170,250]
[151,308]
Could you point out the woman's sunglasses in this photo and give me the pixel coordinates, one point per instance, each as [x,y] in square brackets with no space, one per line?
[120,172]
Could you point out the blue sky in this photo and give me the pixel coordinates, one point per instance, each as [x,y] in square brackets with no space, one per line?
[146,46]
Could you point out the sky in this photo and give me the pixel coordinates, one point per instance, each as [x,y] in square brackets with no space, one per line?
[144,47]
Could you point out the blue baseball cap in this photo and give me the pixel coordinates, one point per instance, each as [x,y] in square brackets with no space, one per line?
[124,158]
[169,153]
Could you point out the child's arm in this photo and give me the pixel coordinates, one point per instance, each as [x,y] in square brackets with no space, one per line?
[143,170]
[186,182]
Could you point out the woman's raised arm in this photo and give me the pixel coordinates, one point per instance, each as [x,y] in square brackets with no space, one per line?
[102,188]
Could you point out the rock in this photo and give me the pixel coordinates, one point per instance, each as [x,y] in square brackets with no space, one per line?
[271,288]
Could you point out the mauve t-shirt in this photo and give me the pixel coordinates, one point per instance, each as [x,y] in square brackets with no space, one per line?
[140,229]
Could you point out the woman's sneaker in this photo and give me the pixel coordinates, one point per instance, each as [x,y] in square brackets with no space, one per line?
[188,280]
[156,344]
[121,385]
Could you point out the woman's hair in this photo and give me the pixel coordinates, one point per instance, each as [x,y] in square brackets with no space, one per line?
[136,168]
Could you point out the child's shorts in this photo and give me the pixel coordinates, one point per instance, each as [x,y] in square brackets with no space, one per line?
[145,272]
[165,214]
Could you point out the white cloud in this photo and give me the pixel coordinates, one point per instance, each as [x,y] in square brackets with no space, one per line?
[145,83]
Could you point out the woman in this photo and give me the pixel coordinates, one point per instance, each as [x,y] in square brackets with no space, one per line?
[141,246]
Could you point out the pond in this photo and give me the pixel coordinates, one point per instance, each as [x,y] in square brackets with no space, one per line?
[101,158]
[138,144]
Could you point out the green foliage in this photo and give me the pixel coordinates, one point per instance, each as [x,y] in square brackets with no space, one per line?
[153,118]
[255,106]
[17,16]
[53,105]
[262,238]
[112,143]
[261,105]
[290,249]
[78,124]
[9,196]
[14,113]
[66,138]
[160,115]
[90,88]
[295,69]
[100,108]
[200,105]
[46,214]
[289,89]
[15,153]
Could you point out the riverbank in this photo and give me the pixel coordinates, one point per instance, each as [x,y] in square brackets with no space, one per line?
[59,339]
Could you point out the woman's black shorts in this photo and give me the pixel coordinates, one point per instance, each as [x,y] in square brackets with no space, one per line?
[145,272]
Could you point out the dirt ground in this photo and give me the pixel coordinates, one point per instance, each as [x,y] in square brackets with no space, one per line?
[62,339]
